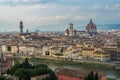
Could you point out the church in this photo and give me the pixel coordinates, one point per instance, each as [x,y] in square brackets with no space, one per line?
[69,31]
[91,30]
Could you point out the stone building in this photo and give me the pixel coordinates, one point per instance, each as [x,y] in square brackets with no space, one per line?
[69,31]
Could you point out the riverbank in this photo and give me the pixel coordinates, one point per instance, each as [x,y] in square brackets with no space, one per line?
[67,62]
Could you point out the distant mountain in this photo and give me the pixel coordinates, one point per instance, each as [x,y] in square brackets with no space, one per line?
[81,27]
[103,27]
[108,27]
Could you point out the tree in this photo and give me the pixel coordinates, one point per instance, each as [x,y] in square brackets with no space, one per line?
[26,64]
[23,74]
[13,69]
[51,77]
[88,77]
[24,71]
[91,75]
[96,76]
[4,78]
[41,65]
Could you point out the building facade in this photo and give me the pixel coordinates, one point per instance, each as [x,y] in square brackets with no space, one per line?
[70,31]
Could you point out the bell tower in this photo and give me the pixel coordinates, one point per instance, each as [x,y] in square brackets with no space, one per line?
[21,27]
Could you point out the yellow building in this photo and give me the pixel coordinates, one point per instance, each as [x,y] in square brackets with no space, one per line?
[9,48]
[101,56]
[79,45]
[87,53]
[95,54]
[14,49]
[70,48]
[55,51]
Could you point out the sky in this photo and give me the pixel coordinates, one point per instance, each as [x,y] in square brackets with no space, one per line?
[55,15]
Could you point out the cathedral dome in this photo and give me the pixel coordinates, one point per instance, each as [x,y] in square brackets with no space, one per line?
[75,30]
[91,27]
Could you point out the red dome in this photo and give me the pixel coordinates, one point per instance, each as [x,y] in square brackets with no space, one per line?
[91,26]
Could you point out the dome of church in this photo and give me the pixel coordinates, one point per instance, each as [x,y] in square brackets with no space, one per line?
[71,24]
[75,30]
[91,26]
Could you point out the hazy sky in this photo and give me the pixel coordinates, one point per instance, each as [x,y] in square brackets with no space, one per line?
[56,14]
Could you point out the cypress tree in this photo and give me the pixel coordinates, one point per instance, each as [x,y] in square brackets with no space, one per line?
[26,64]
[88,77]
[91,75]
[96,76]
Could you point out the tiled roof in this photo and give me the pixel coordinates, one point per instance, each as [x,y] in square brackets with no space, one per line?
[91,25]
[70,72]
[74,73]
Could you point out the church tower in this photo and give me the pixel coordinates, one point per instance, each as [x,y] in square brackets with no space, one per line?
[71,29]
[21,27]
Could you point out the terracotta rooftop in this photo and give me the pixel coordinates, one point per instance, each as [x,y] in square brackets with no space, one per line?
[74,73]
[70,72]
[88,49]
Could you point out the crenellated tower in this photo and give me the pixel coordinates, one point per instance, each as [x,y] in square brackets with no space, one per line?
[21,27]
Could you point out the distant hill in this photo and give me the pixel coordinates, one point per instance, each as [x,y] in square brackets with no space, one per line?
[81,27]
[103,27]
[108,27]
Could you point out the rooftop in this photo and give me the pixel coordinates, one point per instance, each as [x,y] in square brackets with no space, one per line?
[74,73]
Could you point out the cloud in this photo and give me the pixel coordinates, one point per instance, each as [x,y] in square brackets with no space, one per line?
[118,15]
[107,7]
[76,8]
[24,2]
[58,12]
[117,5]
[80,18]
[96,7]
[48,18]
[55,19]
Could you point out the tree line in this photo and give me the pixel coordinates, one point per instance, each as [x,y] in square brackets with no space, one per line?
[24,71]
[92,76]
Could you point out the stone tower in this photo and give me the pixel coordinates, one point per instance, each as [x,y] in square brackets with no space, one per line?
[71,29]
[21,27]
[27,31]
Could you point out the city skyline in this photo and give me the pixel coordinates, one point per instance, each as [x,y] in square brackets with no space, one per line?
[56,14]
